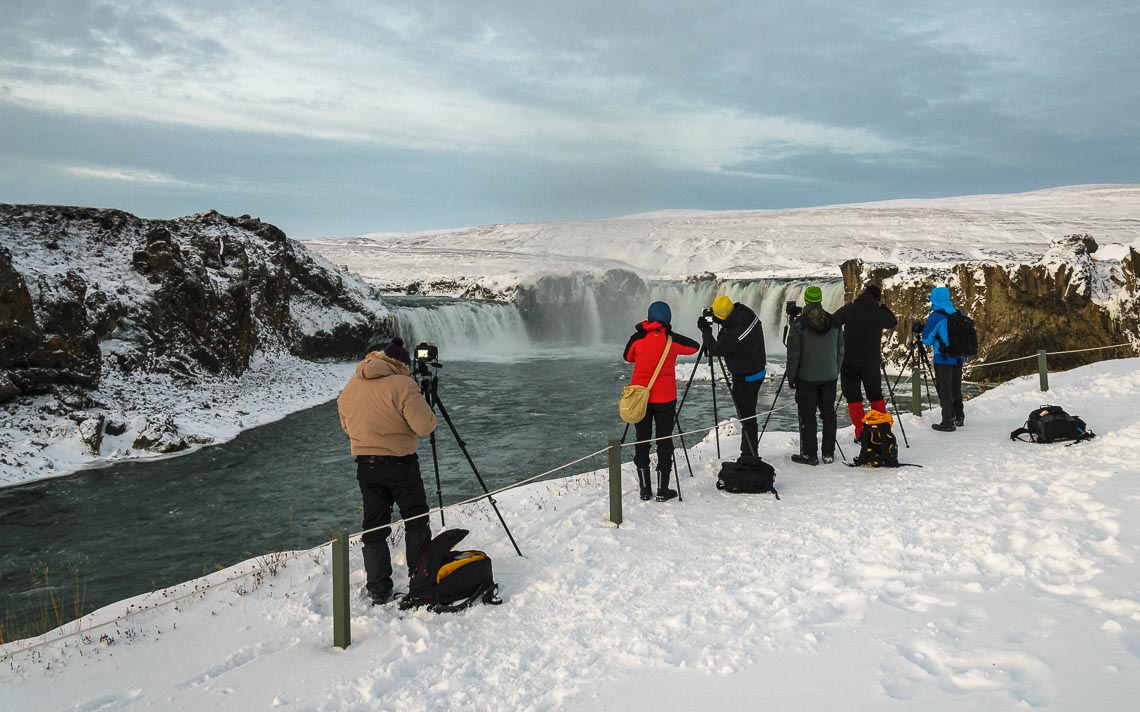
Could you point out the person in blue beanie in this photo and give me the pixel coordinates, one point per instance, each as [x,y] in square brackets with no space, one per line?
[947,368]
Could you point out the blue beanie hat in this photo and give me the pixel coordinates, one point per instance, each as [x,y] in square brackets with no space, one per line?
[660,312]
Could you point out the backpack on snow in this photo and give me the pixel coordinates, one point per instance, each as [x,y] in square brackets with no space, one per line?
[748,475]
[445,581]
[877,444]
[1051,423]
[962,334]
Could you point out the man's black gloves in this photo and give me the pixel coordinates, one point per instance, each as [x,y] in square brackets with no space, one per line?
[704,325]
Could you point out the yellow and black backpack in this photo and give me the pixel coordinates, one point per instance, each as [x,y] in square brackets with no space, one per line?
[877,444]
[445,581]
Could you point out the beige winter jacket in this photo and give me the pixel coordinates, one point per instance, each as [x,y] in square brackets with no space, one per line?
[381,408]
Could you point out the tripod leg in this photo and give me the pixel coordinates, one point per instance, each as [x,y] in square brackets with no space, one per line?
[463,447]
[438,485]
[778,389]
[684,448]
[625,433]
[891,391]
[837,445]
[692,375]
[716,417]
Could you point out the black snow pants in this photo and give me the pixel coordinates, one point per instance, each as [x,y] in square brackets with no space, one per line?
[385,481]
[659,417]
[948,380]
[867,375]
[812,396]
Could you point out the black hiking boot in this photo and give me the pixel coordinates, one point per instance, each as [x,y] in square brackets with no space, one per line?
[828,459]
[805,459]
[944,427]
[959,421]
[644,484]
[664,494]
[381,595]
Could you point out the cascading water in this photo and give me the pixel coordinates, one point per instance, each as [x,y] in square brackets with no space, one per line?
[468,330]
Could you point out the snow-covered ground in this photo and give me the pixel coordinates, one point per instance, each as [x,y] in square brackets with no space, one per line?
[806,242]
[999,576]
[43,440]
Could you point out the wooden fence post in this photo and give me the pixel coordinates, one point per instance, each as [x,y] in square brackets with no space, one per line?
[342,633]
[1043,369]
[615,482]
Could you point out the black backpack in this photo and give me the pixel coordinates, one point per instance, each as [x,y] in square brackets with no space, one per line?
[877,444]
[749,475]
[445,581]
[963,336]
[1051,423]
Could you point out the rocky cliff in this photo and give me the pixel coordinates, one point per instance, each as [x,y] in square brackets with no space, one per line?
[89,294]
[1067,300]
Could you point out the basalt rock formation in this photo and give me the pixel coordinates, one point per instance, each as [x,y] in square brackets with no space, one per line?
[85,289]
[1066,301]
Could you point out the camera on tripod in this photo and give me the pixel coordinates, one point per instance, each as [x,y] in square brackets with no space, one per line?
[707,314]
[917,327]
[792,309]
[426,355]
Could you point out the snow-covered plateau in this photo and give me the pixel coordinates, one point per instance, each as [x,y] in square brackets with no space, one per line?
[1000,575]
[492,260]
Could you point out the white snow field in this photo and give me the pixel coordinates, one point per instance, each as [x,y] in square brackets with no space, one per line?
[999,576]
[804,242]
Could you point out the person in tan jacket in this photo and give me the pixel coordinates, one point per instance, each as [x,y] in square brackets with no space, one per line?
[383,413]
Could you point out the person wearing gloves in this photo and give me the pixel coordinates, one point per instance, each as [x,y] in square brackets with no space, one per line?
[815,352]
[863,320]
[947,368]
[646,350]
[741,344]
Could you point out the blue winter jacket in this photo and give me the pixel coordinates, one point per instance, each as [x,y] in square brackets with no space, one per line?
[936,333]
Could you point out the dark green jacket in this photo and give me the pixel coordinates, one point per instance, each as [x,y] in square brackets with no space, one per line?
[815,346]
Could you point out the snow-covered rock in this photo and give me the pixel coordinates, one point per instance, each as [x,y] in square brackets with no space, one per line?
[97,307]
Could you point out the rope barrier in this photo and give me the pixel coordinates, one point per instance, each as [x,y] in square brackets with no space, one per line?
[1047,353]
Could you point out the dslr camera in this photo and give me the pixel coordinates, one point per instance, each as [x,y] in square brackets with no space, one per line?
[792,309]
[917,327]
[707,314]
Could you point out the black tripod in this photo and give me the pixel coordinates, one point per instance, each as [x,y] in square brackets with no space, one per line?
[791,311]
[891,391]
[917,354]
[705,351]
[429,386]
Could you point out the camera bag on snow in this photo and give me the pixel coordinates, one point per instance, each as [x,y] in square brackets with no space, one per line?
[877,444]
[748,475]
[1051,423]
[445,581]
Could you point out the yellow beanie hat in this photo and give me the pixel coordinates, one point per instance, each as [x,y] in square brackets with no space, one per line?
[722,307]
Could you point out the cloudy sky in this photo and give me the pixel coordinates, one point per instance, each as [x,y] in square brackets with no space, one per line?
[337,118]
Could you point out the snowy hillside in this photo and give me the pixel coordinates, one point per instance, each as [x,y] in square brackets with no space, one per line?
[123,337]
[999,576]
[761,243]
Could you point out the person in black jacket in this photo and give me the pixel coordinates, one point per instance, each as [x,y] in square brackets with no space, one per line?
[864,321]
[741,344]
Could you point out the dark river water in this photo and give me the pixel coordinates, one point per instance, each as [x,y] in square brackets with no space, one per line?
[282,486]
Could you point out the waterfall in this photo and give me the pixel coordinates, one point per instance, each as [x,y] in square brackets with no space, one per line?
[591,311]
[465,330]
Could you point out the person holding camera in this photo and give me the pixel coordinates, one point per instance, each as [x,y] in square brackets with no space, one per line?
[863,320]
[383,413]
[741,344]
[947,368]
[653,349]
[815,352]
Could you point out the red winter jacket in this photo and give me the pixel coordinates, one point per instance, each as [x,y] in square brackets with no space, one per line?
[644,351]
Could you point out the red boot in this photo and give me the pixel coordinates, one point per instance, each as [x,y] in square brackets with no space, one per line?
[879,405]
[855,410]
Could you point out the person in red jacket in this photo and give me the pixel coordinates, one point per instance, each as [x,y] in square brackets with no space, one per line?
[644,350]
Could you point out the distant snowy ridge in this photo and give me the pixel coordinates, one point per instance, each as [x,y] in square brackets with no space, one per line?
[794,243]
[123,336]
